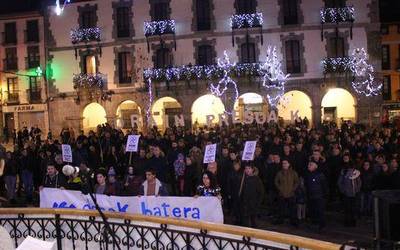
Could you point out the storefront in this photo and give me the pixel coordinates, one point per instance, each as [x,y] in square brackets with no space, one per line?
[392,110]
[30,115]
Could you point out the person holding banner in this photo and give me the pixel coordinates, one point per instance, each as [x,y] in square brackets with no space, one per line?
[209,186]
[152,186]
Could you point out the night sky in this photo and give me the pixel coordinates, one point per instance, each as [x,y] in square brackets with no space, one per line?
[389,12]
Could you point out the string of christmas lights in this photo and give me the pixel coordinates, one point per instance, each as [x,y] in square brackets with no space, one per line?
[336,15]
[89,80]
[221,88]
[60,9]
[85,35]
[159,27]
[336,65]
[246,20]
[274,79]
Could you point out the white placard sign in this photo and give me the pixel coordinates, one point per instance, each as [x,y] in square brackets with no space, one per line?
[199,209]
[209,153]
[132,143]
[249,149]
[66,153]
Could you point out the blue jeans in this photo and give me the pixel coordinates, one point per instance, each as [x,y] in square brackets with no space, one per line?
[27,180]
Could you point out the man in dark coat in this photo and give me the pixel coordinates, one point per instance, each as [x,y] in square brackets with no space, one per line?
[317,189]
[159,164]
[251,192]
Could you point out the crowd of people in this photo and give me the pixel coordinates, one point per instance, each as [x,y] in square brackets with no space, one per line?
[295,173]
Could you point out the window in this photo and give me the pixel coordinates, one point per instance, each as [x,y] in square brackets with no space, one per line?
[123,22]
[245,6]
[124,67]
[11,62]
[387,88]
[163,58]
[204,56]
[88,19]
[90,64]
[336,47]
[335,3]
[290,12]
[385,57]
[292,51]
[160,11]
[33,57]
[10,33]
[248,53]
[203,14]
[12,89]
[32,31]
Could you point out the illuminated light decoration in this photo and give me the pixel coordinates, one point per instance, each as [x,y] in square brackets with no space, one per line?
[247,20]
[150,92]
[223,85]
[159,27]
[85,35]
[336,65]
[364,81]
[274,79]
[89,80]
[337,15]
[59,9]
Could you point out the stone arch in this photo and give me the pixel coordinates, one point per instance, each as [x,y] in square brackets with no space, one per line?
[93,114]
[337,104]
[250,101]
[163,106]
[293,101]
[123,114]
[206,105]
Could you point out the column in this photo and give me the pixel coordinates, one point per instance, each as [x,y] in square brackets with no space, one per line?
[316,115]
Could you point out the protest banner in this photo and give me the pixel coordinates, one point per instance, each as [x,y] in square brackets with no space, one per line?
[66,153]
[249,149]
[209,153]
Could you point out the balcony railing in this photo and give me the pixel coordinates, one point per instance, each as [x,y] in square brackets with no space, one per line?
[10,65]
[83,229]
[156,28]
[83,80]
[12,97]
[337,15]
[85,35]
[189,72]
[247,21]
[34,95]
[336,65]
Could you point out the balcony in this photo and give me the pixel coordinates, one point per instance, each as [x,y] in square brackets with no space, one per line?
[89,81]
[10,64]
[337,15]
[34,95]
[158,28]
[336,65]
[247,21]
[12,97]
[32,63]
[85,35]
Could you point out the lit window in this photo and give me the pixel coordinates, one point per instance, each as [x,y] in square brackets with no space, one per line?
[90,65]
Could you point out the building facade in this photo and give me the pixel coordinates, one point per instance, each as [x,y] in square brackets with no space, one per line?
[23,89]
[391,68]
[98,52]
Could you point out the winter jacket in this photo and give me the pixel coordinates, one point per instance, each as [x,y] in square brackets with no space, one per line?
[251,196]
[286,181]
[316,185]
[367,180]
[349,182]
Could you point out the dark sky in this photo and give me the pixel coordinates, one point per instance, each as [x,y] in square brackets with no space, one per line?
[389,11]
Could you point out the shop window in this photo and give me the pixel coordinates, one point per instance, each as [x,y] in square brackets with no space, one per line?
[160,11]
[88,19]
[32,31]
[123,22]
[124,67]
[33,57]
[205,55]
[386,57]
[10,33]
[90,66]
[290,12]
[336,47]
[163,58]
[245,6]
[203,10]
[248,53]
[292,51]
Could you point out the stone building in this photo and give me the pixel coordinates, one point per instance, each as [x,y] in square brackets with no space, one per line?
[98,51]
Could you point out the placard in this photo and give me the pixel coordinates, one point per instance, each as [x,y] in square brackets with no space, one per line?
[66,153]
[249,149]
[133,143]
[209,153]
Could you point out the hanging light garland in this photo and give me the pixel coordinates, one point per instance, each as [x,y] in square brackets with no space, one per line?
[159,27]
[274,79]
[85,35]
[336,15]
[246,20]
[223,85]
[89,80]
[364,81]
[59,9]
